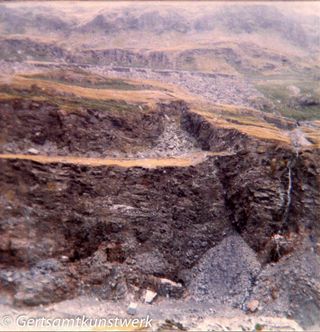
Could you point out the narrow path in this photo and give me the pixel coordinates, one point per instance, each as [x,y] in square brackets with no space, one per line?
[185,161]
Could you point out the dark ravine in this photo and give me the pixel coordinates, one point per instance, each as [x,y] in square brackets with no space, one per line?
[68,229]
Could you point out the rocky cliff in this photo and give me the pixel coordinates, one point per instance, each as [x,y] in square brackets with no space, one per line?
[73,228]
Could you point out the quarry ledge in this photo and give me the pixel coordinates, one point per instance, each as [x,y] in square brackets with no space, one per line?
[181,161]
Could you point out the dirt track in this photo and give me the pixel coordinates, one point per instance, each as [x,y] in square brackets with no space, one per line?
[183,161]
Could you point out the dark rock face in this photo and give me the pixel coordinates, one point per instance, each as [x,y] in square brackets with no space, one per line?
[219,139]
[101,203]
[257,194]
[46,126]
[290,287]
[306,194]
[162,215]
[109,230]
[18,49]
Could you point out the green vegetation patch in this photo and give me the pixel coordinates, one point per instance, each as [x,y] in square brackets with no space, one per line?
[297,99]
[71,102]
[86,82]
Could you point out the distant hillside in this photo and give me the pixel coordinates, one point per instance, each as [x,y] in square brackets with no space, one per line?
[255,19]
[22,20]
[225,20]
[249,40]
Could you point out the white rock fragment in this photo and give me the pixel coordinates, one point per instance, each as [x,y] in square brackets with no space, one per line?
[165,281]
[170,288]
[33,151]
[253,305]
[64,258]
[150,296]
[132,308]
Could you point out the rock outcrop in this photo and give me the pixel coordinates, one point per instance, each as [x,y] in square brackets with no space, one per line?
[109,230]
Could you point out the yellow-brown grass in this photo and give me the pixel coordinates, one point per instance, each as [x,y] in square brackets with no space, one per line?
[150,97]
[313,134]
[249,125]
[245,120]
[185,161]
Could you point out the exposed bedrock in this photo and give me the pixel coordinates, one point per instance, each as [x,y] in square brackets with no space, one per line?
[69,229]
[83,131]
[154,221]
[214,138]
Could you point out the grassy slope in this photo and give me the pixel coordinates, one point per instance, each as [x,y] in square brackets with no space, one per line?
[246,121]
[95,88]
[278,89]
[70,97]
[83,79]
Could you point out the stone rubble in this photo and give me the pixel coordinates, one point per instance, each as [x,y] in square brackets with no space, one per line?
[150,296]
[33,151]
[218,88]
[132,308]
[253,305]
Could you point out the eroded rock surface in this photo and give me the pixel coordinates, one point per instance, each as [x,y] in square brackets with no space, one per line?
[223,229]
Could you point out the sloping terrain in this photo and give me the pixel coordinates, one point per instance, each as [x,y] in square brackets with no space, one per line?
[243,45]
[171,148]
[107,191]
